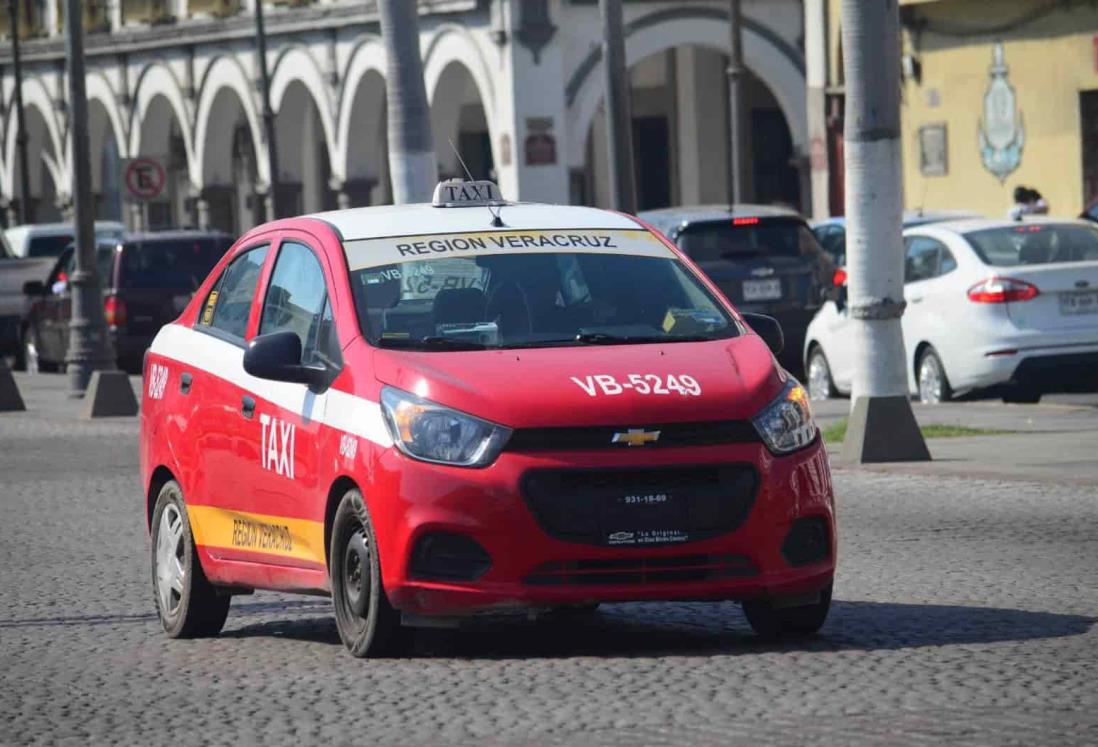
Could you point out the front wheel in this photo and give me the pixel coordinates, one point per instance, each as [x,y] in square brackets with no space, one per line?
[368,625]
[769,621]
[933,383]
[188,605]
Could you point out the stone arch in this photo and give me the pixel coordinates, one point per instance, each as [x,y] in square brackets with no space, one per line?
[296,65]
[36,98]
[361,161]
[157,81]
[100,90]
[226,77]
[452,46]
[772,60]
[458,114]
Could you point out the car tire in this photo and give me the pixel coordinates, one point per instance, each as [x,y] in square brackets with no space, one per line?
[772,622]
[187,603]
[818,375]
[368,625]
[931,377]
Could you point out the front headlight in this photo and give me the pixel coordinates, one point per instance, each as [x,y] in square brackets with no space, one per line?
[433,433]
[786,424]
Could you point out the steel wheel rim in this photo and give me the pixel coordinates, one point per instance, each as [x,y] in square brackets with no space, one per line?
[930,381]
[170,573]
[356,581]
[30,356]
[819,378]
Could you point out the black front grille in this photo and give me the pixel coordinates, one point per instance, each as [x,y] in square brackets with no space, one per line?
[641,507]
[636,571]
[602,437]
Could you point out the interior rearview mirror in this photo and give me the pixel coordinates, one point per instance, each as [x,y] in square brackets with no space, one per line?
[277,357]
[768,328]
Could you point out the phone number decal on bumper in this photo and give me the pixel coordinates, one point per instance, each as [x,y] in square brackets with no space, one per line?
[609,385]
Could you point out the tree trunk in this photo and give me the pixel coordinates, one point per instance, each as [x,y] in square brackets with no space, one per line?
[882,427]
[412,162]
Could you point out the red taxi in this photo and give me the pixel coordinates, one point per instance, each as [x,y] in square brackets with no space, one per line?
[471,406]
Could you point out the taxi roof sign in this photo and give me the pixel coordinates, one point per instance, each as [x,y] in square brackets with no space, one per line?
[460,193]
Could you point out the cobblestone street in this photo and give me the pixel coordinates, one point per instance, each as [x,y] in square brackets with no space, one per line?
[964,613]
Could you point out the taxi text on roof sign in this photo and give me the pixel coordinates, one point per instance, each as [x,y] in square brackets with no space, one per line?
[460,193]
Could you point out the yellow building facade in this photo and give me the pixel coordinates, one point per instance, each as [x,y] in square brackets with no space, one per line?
[996,94]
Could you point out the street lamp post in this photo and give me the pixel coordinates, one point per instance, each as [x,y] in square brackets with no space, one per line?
[268,114]
[90,348]
[736,73]
[619,120]
[20,122]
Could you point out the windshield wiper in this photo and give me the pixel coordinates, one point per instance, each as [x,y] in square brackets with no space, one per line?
[603,338]
[430,343]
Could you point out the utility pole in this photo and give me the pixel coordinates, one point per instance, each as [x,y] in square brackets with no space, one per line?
[737,151]
[90,348]
[268,115]
[20,122]
[882,427]
[619,118]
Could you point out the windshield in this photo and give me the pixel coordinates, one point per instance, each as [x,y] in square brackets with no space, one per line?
[630,289]
[48,245]
[742,238]
[175,264]
[1035,244]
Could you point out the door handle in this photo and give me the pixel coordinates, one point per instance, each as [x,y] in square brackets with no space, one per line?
[185,382]
[247,406]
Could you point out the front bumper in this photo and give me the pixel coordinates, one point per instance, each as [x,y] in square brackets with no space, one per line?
[531,569]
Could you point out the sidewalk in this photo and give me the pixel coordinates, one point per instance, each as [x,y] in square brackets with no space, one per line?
[1053,442]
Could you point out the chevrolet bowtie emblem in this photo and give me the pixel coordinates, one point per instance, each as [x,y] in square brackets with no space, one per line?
[636,437]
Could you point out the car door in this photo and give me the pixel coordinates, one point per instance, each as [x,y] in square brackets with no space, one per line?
[212,386]
[282,442]
[927,262]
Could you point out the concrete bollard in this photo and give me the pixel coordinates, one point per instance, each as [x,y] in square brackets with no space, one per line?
[109,394]
[10,399]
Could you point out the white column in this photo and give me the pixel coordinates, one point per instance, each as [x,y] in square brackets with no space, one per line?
[312,184]
[180,9]
[690,153]
[530,90]
[114,15]
[51,18]
[815,53]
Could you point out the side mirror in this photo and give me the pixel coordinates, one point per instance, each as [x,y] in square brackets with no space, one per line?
[277,357]
[34,288]
[768,328]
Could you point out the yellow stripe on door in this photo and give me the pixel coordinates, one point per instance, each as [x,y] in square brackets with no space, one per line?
[280,536]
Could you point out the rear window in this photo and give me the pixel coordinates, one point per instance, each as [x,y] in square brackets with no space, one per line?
[743,238]
[1033,244]
[49,246]
[177,264]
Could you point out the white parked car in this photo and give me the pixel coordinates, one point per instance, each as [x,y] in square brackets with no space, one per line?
[991,304]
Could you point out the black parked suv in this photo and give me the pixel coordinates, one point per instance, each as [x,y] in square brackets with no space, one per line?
[765,259]
[148,279]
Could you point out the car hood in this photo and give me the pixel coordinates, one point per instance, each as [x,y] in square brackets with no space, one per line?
[577,386]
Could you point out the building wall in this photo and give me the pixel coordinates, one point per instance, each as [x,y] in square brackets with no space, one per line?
[1050,61]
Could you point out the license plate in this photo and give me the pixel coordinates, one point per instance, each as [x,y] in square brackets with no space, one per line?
[1079,303]
[645,518]
[762,290]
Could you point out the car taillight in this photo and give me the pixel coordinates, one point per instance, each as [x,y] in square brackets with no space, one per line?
[1002,290]
[114,309]
[839,278]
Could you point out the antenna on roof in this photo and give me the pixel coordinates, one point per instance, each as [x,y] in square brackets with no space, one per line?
[497,222]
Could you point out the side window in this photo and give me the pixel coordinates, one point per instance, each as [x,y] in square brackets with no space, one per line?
[229,303]
[297,301]
[949,264]
[923,256]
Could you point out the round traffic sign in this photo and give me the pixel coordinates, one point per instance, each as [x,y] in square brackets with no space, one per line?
[145,178]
